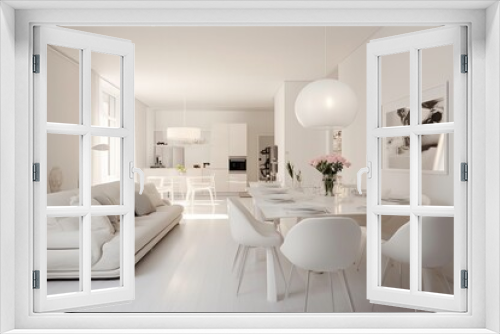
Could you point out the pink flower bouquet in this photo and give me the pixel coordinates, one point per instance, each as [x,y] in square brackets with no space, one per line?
[330,164]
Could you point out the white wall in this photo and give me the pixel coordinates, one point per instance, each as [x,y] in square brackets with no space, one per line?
[352,71]
[258,123]
[296,143]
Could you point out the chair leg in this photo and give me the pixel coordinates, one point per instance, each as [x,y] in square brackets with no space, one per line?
[400,268]
[360,255]
[384,273]
[347,291]
[211,197]
[235,260]
[307,290]
[193,193]
[275,251]
[242,269]
[445,281]
[287,285]
[331,288]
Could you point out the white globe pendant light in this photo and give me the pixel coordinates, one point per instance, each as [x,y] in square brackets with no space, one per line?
[326,104]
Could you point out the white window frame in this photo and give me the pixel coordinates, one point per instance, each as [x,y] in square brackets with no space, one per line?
[484,236]
[412,44]
[86,43]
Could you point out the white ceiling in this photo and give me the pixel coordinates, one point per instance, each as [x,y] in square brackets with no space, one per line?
[227,67]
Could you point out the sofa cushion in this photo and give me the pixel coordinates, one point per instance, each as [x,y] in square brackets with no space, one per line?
[147,227]
[153,194]
[103,199]
[69,239]
[110,189]
[143,205]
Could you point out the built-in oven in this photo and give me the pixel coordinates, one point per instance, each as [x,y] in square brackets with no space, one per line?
[237,164]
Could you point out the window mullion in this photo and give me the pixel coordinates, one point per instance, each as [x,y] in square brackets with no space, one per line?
[86,170]
[414,170]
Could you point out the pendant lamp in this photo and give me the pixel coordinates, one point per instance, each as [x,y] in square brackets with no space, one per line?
[184,134]
[326,103]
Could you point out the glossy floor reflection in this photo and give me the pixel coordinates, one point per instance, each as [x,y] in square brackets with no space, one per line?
[190,271]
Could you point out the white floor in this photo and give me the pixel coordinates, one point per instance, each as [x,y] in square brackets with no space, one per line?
[190,271]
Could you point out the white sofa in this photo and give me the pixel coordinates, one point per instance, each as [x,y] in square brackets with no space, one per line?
[63,234]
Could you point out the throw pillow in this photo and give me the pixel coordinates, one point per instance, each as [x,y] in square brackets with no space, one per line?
[153,194]
[105,200]
[143,205]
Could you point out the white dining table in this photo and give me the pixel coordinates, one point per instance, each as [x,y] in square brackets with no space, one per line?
[276,203]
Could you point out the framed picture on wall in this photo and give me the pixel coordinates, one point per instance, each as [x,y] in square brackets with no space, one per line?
[434,148]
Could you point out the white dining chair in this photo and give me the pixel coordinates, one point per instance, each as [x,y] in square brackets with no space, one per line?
[326,244]
[164,185]
[249,233]
[425,201]
[196,184]
[436,249]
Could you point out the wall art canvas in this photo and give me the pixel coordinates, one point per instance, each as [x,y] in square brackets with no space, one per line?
[434,148]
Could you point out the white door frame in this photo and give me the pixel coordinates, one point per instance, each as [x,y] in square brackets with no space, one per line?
[289,17]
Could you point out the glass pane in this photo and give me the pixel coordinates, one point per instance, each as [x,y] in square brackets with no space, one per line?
[437,254]
[63,85]
[63,170]
[395,89]
[106,250]
[106,168]
[63,255]
[106,91]
[395,173]
[395,251]
[437,75]
[437,172]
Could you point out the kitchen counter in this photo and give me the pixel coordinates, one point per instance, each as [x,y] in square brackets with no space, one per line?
[224,181]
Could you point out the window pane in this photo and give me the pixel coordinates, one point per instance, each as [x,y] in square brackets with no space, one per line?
[106,91]
[63,85]
[437,254]
[106,169]
[63,170]
[106,250]
[395,89]
[437,75]
[395,174]
[63,255]
[395,251]
[437,172]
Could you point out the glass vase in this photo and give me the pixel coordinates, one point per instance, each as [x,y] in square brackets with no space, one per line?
[329,184]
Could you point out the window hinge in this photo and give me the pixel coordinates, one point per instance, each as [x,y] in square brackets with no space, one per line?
[36,279]
[36,172]
[464,279]
[465,64]
[36,63]
[464,171]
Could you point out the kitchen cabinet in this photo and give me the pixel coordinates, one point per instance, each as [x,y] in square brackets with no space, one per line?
[219,148]
[237,140]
